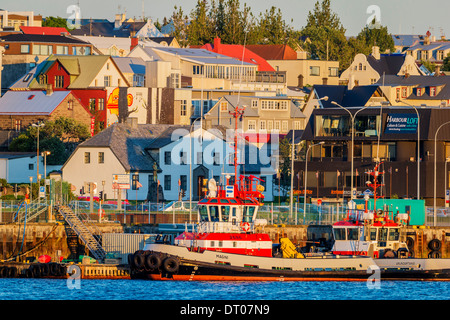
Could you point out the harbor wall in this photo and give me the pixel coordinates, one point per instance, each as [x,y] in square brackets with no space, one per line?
[50,239]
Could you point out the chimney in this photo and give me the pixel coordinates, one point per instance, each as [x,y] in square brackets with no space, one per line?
[119,19]
[217,46]
[49,91]
[134,43]
[376,52]
[351,82]
[437,70]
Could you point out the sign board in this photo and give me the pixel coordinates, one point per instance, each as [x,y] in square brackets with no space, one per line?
[42,192]
[368,192]
[121,178]
[401,123]
[121,186]
[447,197]
[229,191]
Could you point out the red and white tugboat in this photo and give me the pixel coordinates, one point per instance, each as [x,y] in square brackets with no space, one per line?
[375,233]
[227,246]
[381,234]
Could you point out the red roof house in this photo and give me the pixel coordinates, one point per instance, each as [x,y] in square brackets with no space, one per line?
[55,31]
[237,51]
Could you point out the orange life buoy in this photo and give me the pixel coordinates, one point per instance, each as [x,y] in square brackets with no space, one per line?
[245,226]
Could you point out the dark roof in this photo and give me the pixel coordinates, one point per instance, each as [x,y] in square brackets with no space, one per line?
[128,143]
[19,37]
[358,96]
[106,29]
[297,136]
[387,64]
[443,82]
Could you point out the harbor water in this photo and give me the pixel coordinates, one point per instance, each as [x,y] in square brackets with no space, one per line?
[62,289]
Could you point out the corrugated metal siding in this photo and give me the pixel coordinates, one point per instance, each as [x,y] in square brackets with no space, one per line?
[123,244]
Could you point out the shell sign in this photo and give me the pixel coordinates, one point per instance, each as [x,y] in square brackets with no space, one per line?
[113,101]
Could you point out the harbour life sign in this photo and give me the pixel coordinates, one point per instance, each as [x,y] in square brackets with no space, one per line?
[401,123]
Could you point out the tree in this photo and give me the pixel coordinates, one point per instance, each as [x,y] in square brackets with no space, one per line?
[378,36]
[55,22]
[327,40]
[180,25]
[60,137]
[200,27]
[446,64]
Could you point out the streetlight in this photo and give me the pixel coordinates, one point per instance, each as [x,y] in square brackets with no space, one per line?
[352,116]
[38,125]
[435,147]
[306,175]
[45,154]
[325,98]
[418,147]
[31,189]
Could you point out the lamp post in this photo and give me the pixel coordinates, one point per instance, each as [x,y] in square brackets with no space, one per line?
[325,98]
[418,147]
[306,174]
[45,154]
[38,125]
[434,195]
[352,116]
[31,189]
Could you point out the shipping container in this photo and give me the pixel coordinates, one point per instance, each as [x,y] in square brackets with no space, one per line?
[120,245]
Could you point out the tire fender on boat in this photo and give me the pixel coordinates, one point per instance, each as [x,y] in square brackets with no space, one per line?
[152,261]
[434,245]
[171,265]
[138,260]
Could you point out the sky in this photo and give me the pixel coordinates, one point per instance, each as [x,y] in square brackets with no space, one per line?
[400,16]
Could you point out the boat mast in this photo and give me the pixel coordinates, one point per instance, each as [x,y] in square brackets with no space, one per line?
[237,113]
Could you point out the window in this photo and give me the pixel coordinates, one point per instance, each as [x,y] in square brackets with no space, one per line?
[27,77]
[107,81]
[134,182]
[25,48]
[92,104]
[216,158]
[397,94]
[284,126]
[30,166]
[269,125]
[333,72]
[199,157]
[18,125]
[419,92]
[432,91]
[314,71]
[59,81]
[183,182]
[87,157]
[183,157]
[262,125]
[42,79]
[175,80]
[251,125]
[352,234]
[167,158]
[223,106]
[254,103]
[183,108]
[62,50]
[277,125]
[101,104]
[167,182]
[404,92]
[101,157]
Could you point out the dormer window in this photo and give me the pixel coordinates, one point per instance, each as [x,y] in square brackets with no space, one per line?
[419,92]
[432,91]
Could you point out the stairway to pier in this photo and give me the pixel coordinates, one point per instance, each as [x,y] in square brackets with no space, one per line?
[82,232]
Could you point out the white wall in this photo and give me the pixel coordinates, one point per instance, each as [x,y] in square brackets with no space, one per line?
[76,172]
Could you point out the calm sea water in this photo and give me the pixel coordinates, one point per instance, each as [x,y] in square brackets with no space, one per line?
[59,289]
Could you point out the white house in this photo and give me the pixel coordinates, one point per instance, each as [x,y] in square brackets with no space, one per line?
[119,150]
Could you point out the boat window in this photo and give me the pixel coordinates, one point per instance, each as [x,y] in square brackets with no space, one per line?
[248,214]
[352,234]
[339,234]
[382,234]
[213,201]
[203,213]
[373,234]
[223,201]
[394,234]
[214,212]
[233,201]
[225,213]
